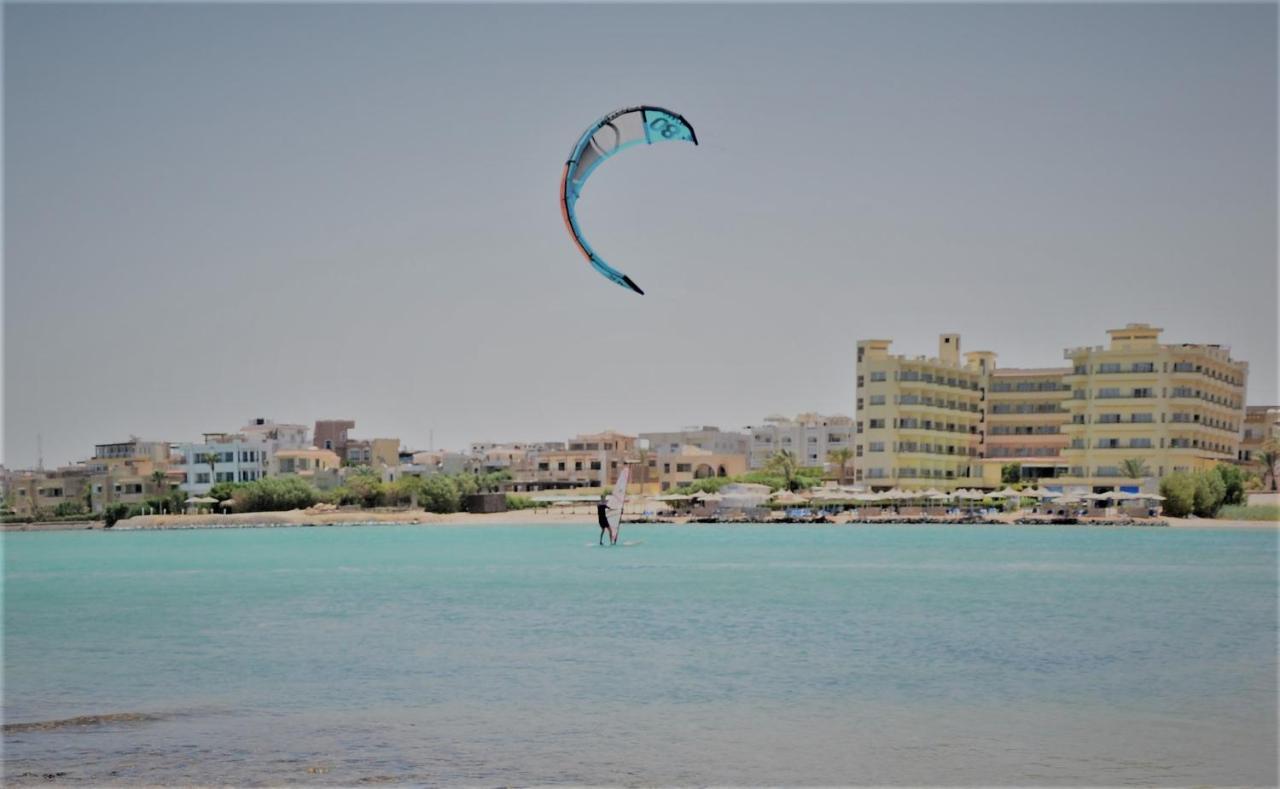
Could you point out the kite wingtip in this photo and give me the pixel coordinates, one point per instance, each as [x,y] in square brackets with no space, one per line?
[627,281]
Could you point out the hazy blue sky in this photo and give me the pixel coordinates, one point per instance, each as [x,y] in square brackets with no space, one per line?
[226,211]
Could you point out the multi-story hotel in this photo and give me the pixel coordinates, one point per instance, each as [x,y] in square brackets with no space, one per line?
[920,420]
[941,423]
[1175,407]
[1026,421]
[809,437]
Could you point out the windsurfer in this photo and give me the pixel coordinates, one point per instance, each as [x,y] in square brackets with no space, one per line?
[602,515]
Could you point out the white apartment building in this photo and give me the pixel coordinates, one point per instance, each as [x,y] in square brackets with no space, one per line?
[810,437]
[222,458]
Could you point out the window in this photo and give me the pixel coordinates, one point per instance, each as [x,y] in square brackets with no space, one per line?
[877,376]
[876,424]
[877,400]
[876,446]
[202,478]
[1109,391]
[595,465]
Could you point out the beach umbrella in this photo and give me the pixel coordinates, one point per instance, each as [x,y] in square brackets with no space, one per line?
[1007,493]
[708,498]
[787,497]
[1041,493]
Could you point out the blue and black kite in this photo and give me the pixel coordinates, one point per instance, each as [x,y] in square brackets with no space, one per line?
[614,132]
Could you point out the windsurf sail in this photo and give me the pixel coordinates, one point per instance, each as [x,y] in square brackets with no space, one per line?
[615,501]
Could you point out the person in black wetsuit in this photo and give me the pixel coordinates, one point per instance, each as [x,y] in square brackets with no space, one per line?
[602,515]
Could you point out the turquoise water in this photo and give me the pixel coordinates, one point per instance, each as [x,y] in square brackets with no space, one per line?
[704,654]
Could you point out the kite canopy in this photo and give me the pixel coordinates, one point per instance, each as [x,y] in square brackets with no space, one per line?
[614,132]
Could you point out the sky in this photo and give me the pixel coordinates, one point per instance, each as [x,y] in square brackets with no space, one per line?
[220,212]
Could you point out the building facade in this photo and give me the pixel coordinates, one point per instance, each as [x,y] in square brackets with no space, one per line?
[1261,429]
[710,438]
[940,422]
[1175,407]
[809,437]
[1026,421]
[222,457]
[920,419]
[332,434]
[671,469]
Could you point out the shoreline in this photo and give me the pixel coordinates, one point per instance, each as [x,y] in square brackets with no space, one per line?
[307,518]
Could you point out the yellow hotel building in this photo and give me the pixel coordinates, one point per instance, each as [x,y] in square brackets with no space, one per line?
[919,422]
[945,423]
[1177,407]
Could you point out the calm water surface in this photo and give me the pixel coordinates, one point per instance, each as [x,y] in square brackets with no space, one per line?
[704,654]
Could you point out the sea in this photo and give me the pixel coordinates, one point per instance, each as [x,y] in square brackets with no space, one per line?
[686,655]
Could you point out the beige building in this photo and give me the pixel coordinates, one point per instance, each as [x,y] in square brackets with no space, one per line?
[1176,407]
[1261,428]
[920,419]
[1025,423]
[130,472]
[32,493]
[376,452]
[304,462]
[942,423]
[591,460]
[686,464]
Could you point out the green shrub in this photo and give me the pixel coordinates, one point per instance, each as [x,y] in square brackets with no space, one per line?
[1179,491]
[274,494]
[68,508]
[1233,478]
[515,502]
[439,493]
[366,489]
[1210,490]
[115,512]
[224,490]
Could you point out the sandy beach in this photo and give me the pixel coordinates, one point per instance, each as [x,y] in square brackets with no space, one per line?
[509,518]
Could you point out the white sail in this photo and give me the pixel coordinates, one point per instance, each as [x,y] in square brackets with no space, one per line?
[615,501]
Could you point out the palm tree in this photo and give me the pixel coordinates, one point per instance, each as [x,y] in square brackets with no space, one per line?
[784,465]
[840,457]
[1269,457]
[157,480]
[1134,468]
[212,459]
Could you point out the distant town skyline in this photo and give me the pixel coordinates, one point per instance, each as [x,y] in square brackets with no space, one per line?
[218,212]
